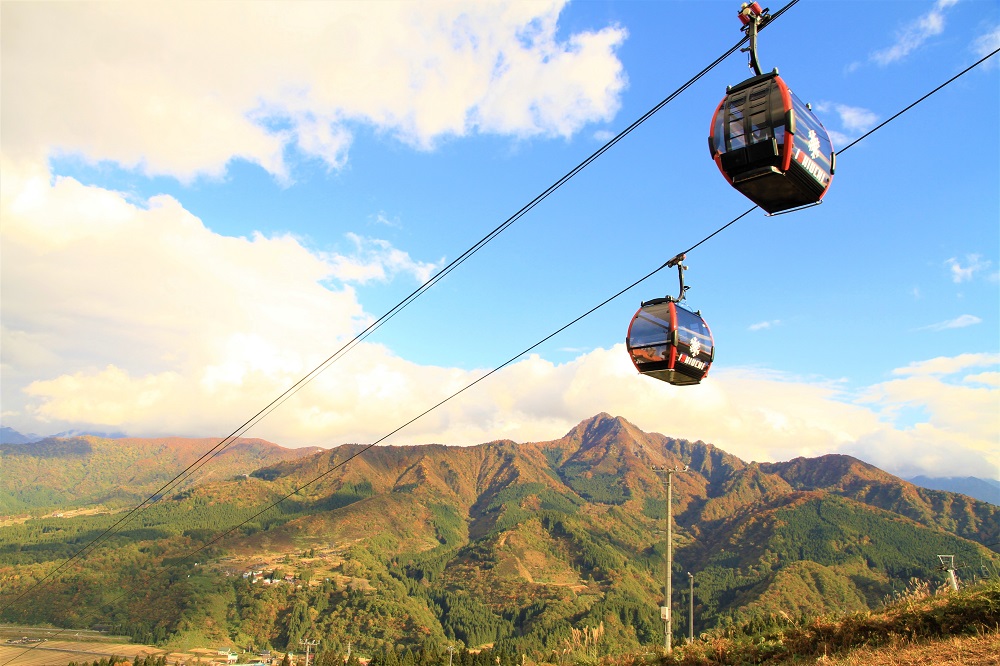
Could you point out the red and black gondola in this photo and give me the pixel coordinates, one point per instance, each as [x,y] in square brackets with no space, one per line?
[766,142]
[669,342]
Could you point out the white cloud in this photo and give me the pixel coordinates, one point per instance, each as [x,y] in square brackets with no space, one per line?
[384,220]
[183,88]
[91,280]
[960,431]
[764,325]
[960,321]
[974,264]
[947,365]
[986,44]
[915,34]
[855,120]
[987,378]
[376,259]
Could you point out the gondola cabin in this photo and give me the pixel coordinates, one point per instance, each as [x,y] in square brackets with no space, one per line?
[770,146]
[670,343]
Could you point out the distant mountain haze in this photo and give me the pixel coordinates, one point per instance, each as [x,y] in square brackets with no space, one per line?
[985,490]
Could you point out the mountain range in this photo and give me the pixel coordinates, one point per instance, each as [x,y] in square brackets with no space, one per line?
[984,490]
[512,544]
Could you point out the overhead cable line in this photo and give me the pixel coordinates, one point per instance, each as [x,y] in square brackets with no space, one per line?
[185,474]
[506,363]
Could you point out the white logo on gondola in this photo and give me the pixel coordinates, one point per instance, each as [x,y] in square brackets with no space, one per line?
[813,144]
[813,169]
[693,362]
[695,346]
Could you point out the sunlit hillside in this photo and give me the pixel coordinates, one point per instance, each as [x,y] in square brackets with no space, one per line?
[517,546]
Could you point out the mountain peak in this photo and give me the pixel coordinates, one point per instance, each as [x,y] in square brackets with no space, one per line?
[598,427]
[828,471]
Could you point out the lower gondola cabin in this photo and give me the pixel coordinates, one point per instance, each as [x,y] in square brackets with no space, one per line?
[770,146]
[670,343]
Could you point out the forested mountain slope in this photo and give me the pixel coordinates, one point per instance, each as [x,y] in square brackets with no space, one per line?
[504,543]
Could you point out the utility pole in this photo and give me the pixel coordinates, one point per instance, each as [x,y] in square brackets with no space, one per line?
[665,613]
[691,608]
[309,645]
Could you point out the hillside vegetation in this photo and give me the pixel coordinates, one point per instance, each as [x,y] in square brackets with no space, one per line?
[62,473]
[531,548]
[915,627]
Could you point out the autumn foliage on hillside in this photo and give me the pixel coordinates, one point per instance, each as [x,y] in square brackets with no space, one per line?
[916,620]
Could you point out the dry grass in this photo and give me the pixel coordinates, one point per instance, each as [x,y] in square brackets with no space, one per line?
[918,627]
[964,651]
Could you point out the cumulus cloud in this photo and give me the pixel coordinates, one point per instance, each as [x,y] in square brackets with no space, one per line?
[182,88]
[145,300]
[961,423]
[915,34]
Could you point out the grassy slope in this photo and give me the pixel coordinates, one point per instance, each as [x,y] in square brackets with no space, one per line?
[917,628]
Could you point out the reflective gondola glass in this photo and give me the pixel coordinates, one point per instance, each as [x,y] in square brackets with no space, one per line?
[670,343]
[770,146]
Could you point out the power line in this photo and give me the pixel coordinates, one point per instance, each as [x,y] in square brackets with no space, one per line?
[186,473]
[365,448]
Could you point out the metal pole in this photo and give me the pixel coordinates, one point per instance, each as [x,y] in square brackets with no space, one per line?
[666,613]
[691,608]
[667,627]
[309,644]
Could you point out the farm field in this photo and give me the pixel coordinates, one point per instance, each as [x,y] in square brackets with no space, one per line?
[58,653]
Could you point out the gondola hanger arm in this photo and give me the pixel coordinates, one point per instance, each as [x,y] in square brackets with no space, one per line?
[753,18]
[677,261]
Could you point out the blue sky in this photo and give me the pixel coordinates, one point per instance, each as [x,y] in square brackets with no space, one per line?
[202,202]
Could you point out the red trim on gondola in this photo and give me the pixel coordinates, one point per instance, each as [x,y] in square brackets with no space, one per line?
[672,361]
[786,102]
[711,128]
[628,338]
[716,154]
[708,364]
